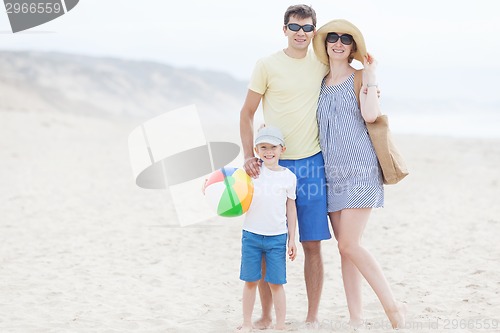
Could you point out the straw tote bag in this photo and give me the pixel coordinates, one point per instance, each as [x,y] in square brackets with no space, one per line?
[391,162]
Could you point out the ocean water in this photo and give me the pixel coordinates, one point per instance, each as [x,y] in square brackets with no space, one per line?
[449,124]
[453,102]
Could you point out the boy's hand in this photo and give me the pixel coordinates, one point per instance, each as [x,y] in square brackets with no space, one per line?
[204,186]
[292,250]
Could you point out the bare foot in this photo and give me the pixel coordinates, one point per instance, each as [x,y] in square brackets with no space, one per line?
[311,319]
[398,316]
[243,328]
[280,327]
[356,324]
[262,324]
[310,325]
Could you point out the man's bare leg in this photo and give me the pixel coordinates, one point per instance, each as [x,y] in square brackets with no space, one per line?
[313,274]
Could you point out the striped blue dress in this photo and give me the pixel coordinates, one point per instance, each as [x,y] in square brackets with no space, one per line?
[353,175]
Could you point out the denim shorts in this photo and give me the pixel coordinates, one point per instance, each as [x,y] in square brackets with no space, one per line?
[253,248]
[311,202]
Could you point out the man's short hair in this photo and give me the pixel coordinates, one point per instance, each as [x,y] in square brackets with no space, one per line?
[300,11]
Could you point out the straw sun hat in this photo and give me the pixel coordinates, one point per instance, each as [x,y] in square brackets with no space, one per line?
[343,27]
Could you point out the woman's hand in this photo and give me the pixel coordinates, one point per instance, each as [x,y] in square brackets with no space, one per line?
[370,108]
[370,66]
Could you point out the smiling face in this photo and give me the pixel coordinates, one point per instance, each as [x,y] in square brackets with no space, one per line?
[299,40]
[269,153]
[342,48]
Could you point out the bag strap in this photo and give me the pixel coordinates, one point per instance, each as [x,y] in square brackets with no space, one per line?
[358,82]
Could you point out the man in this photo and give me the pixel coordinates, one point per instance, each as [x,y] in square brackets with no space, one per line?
[288,83]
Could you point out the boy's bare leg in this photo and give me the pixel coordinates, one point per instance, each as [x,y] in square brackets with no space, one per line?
[279,301]
[249,291]
[266,300]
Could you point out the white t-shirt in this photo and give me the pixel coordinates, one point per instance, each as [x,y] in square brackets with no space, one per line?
[267,213]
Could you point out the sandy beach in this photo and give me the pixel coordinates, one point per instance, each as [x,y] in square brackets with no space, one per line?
[83,249]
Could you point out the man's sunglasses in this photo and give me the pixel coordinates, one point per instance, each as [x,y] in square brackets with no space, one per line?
[333,37]
[297,27]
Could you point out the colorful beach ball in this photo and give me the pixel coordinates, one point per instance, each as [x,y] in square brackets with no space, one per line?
[229,191]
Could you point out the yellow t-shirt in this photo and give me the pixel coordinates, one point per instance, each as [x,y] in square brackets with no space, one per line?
[290,89]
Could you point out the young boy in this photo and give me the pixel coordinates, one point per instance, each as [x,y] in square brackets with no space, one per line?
[271,217]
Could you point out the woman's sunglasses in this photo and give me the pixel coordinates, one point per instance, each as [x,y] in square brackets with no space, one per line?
[333,37]
[296,27]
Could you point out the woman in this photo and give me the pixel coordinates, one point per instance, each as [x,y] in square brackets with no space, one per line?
[355,184]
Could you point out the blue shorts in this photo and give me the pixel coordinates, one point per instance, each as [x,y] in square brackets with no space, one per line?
[253,247]
[312,214]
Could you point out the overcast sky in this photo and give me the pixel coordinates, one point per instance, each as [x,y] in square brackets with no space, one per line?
[230,35]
